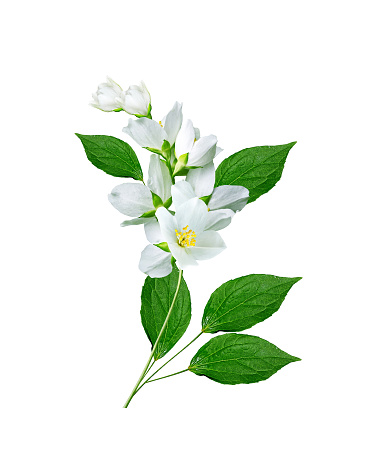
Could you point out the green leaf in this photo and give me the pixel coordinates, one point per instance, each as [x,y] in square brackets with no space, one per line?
[113,156]
[156,299]
[257,169]
[241,303]
[232,359]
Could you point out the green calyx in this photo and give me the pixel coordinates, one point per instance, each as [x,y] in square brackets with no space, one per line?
[183,172]
[148,115]
[168,203]
[150,213]
[206,199]
[166,150]
[166,146]
[155,151]
[181,164]
[157,201]
[163,246]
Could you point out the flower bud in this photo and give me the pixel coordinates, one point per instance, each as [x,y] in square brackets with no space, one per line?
[107,97]
[136,101]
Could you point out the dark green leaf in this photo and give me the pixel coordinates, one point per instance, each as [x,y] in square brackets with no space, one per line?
[156,299]
[232,359]
[113,156]
[257,169]
[241,303]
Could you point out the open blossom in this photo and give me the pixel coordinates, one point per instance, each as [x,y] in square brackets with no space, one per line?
[136,199]
[189,238]
[151,134]
[192,150]
[136,100]
[107,96]
[202,182]
[197,239]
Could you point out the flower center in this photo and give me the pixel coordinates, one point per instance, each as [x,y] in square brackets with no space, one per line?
[186,237]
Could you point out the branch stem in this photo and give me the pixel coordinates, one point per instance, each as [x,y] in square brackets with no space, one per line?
[149,379]
[145,370]
[165,377]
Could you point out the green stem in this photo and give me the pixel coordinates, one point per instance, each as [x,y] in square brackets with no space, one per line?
[149,368]
[145,370]
[148,380]
[165,377]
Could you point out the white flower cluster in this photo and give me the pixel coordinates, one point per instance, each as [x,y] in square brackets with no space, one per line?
[181,216]
[111,98]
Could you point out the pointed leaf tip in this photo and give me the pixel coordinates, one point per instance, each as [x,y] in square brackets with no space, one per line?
[245,301]
[239,359]
[257,168]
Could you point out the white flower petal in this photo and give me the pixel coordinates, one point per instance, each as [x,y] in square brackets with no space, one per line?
[182,255]
[202,180]
[219,219]
[229,197]
[136,221]
[172,123]
[181,192]
[146,132]
[132,199]
[218,150]
[192,214]
[167,224]
[208,245]
[203,151]
[153,231]
[155,262]
[185,139]
[136,100]
[159,180]
[106,96]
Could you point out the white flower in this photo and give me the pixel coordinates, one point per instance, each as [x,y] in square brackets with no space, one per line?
[155,262]
[150,134]
[106,97]
[190,234]
[182,191]
[187,237]
[136,100]
[202,181]
[223,201]
[136,199]
[192,150]
[226,200]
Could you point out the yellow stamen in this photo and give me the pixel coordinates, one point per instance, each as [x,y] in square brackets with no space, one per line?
[186,238]
[160,123]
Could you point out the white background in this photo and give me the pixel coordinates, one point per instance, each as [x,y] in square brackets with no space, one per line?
[72,345]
